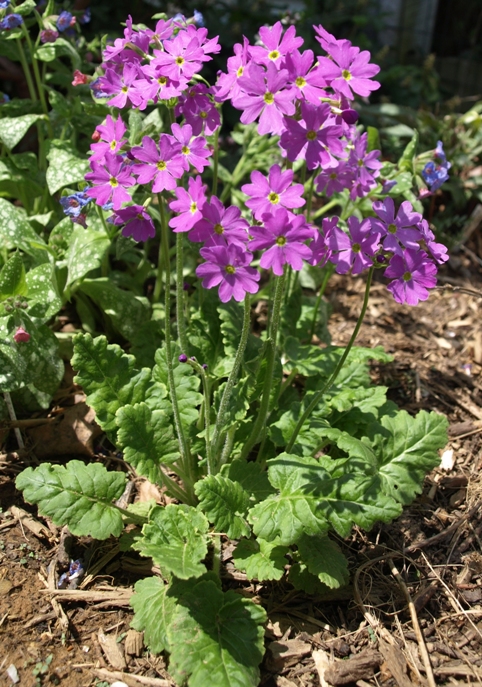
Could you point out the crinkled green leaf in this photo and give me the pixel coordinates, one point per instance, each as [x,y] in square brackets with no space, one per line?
[12,277]
[216,638]
[407,448]
[225,503]
[13,129]
[126,311]
[154,610]
[251,476]
[176,540]
[108,377]
[260,559]
[85,253]
[310,501]
[186,383]
[301,578]
[66,166]
[16,232]
[76,495]
[324,559]
[147,438]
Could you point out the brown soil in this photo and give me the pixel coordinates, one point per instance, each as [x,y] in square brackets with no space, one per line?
[361,635]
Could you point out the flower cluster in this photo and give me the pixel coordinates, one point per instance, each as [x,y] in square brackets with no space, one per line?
[11,21]
[436,171]
[401,242]
[73,206]
[307,103]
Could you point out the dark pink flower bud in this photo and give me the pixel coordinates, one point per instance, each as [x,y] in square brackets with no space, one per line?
[21,336]
[80,79]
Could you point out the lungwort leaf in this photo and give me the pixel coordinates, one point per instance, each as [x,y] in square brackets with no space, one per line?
[225,503]
[323,558]
[216,638]
[176,540]
[76,495]
[108,377]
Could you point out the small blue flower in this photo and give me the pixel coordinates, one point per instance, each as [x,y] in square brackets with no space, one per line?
[4,4]
[64,20]
[198,18]
[97,90]
[11,21]
[86,17]
[435,172]
[73,204]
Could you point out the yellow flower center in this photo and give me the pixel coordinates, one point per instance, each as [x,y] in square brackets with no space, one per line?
[162,80]
[392,228]
[273,55]
[113,182]
[113,145]
[273,198]
[311,135]
[185,150]
[333,175]
[356,248]
[240,71]
[179,60]
[346,75]
[219,229]
[407,276]
[161,165]
[203,114]
[193,208]
[300,81]
[230,269]
[268,98]
[281,240]
[124,89]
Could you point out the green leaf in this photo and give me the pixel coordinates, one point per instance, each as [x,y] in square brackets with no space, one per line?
[154,609]
[225,503]
[66,166]
[43,298]
[12,277]
[260,560]
[407,448]
[16,232]
[85,253]
[148,440]
[176,540]
[216,638]
[311,500]
[13,365]
[108,377]
[301,578]
[126,311]
[405,163]
[48,52]
[26,7]
[324,559]
[251,476]
[186,383]
[373,139]
[45,368]
[13,129]
[76,495]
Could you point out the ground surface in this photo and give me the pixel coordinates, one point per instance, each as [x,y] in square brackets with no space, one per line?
[436,544]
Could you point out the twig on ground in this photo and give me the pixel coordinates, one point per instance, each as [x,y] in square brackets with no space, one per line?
[445,533]
[413,614]
[13,418]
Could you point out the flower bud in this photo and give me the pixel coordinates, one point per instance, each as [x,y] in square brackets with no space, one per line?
[183,358]
[21,336]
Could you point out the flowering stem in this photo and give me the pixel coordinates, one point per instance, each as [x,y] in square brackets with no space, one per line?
[323,210]
[36,72]
[184,449]
[13,418]
[328,272]
[309,198]
[226,397]
[26,70]
[215,162]
[317,397]
[180,313]
[271,342]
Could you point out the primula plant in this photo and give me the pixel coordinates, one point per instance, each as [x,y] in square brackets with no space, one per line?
[263,437]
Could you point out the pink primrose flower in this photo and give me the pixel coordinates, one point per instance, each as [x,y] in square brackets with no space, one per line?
[282,237]
[138,223]
[334,177]
[413,273]
[228,267]
[269,193]
[162,165]
[194,150]
[188,204]
[181,58]
[110,180]
[437,250]
[227,84]
[320,246]
[348,70]
[399,230]
[123,87]
[274,47]
[220,225]
[354,251]
[307,83]
[366,166]
[111,141]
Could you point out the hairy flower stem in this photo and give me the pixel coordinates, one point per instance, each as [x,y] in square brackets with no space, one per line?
[323,210]
[13,418]
[38,80]
[309,197]
[180,310]
[317,398]
[215,162]
[328,272]
[186,466]
[271,343]
[228,389]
